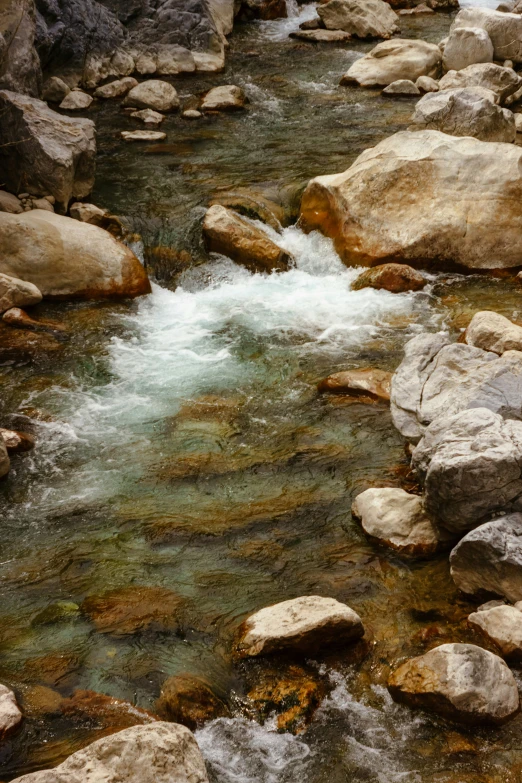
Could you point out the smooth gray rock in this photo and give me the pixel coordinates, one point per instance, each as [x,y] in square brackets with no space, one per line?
[488,560]
[502,81]
[48,153]
[469,111]
[459,681]
[471,467]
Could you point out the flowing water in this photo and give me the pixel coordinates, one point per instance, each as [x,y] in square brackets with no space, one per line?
[182,444]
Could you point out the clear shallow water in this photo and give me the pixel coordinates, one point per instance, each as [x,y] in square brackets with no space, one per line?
[182,445]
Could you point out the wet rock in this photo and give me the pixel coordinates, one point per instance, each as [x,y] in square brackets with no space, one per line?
[471,466]
[362,18]
[17,293]
[501,625]
[401,87]
[10,714]
[190,700]
[159,753]
[53,669]
[76,100]
[46,152]
[19,319]
[17,442]
[229,234]
[20,68]
[228,97]
[19,345]
[459,681]
[150,117]
[117,88]
[262,9]
[391,61]
[10,203]
[467,211]
[143,135]
[134,610]
[153,94]
[488,560]
[466,46]
[255,205]
[362,383]
[301,625]
[61,611]
[104,711]
[293,694]
[399,520]
[311,24]
[322,36]
[5,462]
[41,701]
[75,259]
[493,332]
[505,30]
[502,81]
[396,278]
[55,90]
[470,111]
[427,84]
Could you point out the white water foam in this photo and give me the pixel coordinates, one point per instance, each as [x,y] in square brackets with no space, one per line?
[280,29]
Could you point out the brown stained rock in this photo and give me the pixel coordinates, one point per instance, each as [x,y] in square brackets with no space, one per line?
[190,700]
[363,383]
[396,278]
[18,318]
[17,442]
[52,669]
[231,235]
[104,711]
[132,610]
[41,701]
[293,694]
[22,345]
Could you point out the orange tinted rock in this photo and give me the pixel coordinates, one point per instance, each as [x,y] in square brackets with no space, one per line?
[396,278]
[17,442]
[52,669]
[104,711]
[39,700]
[190,700]
[133,610]
[293,695]
[18,318]
[370,382]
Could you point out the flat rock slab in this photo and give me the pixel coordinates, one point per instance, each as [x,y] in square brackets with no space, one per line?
[501,625]
[143,135]
[322,36]
[459,681]
[301,625]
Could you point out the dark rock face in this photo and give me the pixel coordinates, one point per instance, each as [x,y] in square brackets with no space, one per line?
[19,65]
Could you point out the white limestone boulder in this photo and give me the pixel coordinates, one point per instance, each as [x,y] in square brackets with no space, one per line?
[389,61]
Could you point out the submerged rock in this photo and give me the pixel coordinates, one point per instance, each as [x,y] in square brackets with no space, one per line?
[301,625]
[504,29]
[231,235]
[159,753]
[469,111]
[361,18]
[153,94]
[44,152]
[75,260]
[397,278]
[21,320]
[104,711]
[423,197]
[493,332]
[467,46]
[228,97]
[401,58]
[399,520]
[190,700]
[10,713]
[292,693]
[501,625]
[488,560]
[502,81]
[371,383]
[459,681]
[17,293]
[134,610]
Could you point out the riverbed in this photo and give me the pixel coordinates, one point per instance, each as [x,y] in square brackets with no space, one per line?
[182,444]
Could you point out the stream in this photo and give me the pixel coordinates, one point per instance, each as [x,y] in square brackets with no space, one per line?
[182,445]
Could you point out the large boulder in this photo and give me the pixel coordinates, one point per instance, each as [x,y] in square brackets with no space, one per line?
[65,258]
[502,81]
[20,68]
[390,61]
[395,518]
[157,753]
[436,379]
[501,625]
[10,713]
[229,234]
[488,560]
[471,467]
[361,18]
[423,197]
[493,332]
[459,681]
[466,46]
[468,111]
[301,625]
[504,29]
[43,152]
